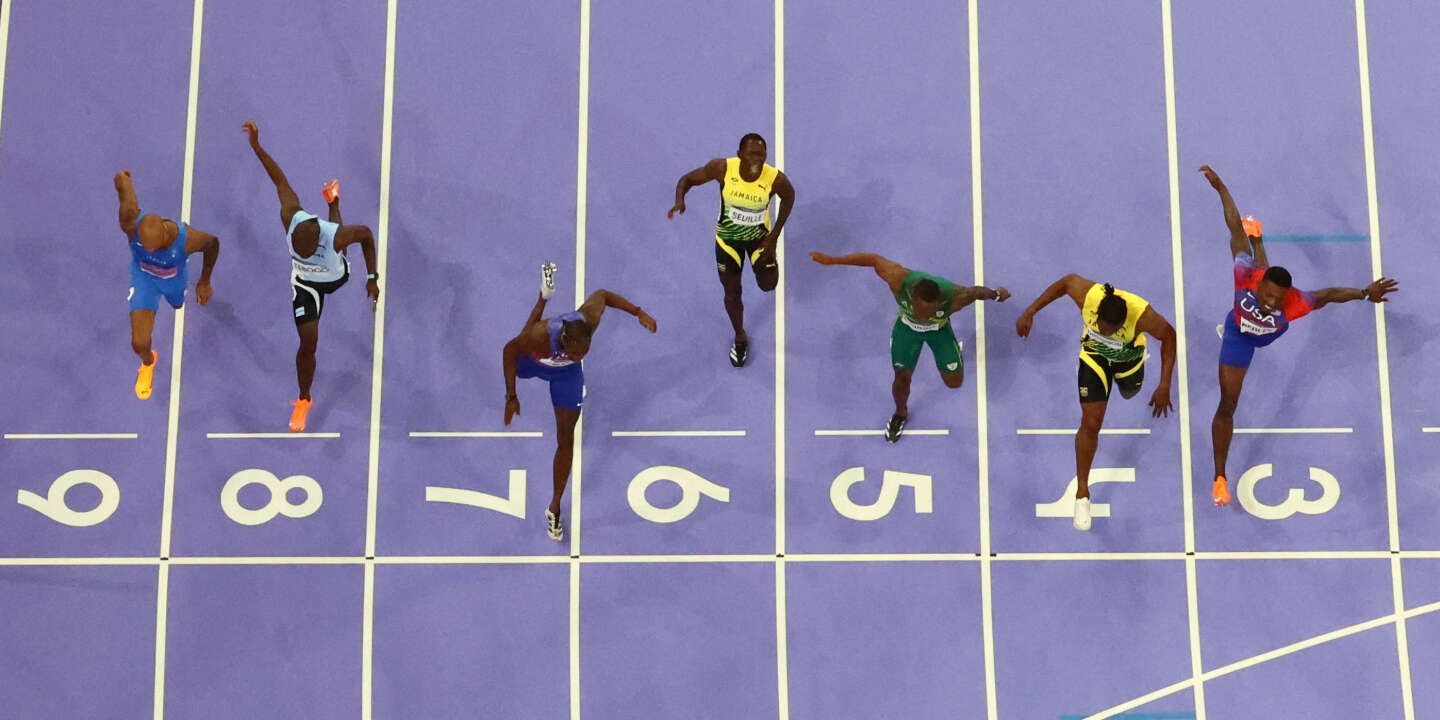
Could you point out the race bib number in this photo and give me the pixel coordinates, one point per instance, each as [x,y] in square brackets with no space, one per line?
[919,326]
[1250,327]
[1104,341]
[745,216]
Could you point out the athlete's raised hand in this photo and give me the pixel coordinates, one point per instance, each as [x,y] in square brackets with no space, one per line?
[646,321]
[1377,290]
[678,207]
[253,132]
[1160,400]
[1214,178]
[1001,294]
[822,258]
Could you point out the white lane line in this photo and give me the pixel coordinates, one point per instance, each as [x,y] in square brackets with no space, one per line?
[574,628]
[377,370]
[71,436]
[162,611]
[1430,429]
[270,435]
[877,433]
[1192,600]
[1387,431]
[678,433]
[782,639]
[982,417]
[1071,431]
[476,434]
[162,590]
[75,561]
[367,643]
[1294,431]
[582,170]
[737,558]
[1265,657]
[4,48]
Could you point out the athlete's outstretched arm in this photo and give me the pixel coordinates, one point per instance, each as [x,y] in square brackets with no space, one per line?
[209,245]
[349,235]
[786,191]
[891,272]
[289,201]
[1072,285]
[966,295]
[1159,328]
[713,170]
[594,306]
[1374,292]
[1239,241]
[129,206]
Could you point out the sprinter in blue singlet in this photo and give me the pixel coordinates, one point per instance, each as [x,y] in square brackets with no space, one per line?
[159,248]
[552,350]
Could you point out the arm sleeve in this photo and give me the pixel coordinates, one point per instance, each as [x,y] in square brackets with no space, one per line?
[1298,303]
[1244,269]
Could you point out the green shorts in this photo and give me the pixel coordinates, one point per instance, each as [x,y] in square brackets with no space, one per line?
[906,344]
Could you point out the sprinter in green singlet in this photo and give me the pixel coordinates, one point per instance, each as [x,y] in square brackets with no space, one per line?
[926,304]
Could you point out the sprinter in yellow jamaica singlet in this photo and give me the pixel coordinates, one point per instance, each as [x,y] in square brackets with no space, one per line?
[743,229]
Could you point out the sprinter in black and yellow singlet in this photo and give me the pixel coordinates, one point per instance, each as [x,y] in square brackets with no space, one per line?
[926,304]
[743,229]
[1112,352]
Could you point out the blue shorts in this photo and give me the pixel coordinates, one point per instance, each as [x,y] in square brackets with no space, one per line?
[1235,350]
[567,384]
[146,290]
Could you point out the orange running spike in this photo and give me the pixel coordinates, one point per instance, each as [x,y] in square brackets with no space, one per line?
[1221,491]
[1253,227]
[297,418]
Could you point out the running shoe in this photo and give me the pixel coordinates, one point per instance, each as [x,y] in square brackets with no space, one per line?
[1082,514]
[553,527]
[297,417]
[739,353]
[1220,491]
[144,381]
[893,428]
[547,280]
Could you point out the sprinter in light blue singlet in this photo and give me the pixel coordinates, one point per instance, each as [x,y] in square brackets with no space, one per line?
[318,266]
[159,248]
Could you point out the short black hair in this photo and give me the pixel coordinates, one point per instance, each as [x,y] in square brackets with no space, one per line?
[1278,275]
[1112,310]
[924,289]
[577,330]
[757,137]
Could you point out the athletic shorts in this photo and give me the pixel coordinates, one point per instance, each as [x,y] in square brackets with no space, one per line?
[1235,350]
[906,344]
[567,384]
[730,256]
[1096,374]
[307,298]
[146,290]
